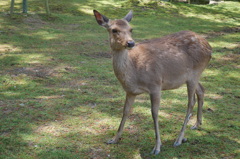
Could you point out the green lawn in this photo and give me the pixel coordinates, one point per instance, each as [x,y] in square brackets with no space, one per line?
[59,97]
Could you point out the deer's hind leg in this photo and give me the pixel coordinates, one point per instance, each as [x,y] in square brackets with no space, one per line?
[200,96]
[191,88]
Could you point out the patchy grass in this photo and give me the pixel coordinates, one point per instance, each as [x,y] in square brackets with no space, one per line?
[59,97]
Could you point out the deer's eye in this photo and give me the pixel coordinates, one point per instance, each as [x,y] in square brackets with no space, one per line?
[114,31]
[131,30]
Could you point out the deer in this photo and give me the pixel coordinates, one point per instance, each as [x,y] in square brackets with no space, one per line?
[156,65]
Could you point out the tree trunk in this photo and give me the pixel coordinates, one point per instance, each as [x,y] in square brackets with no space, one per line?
[47,8]
[12,7]
[24,6]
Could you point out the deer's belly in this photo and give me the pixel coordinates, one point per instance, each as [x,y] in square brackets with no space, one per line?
[133,88]
[174,83]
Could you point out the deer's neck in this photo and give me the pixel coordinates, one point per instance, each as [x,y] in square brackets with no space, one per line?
[122,65]
[120,60]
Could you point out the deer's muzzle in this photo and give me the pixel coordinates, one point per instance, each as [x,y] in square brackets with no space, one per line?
[130,44]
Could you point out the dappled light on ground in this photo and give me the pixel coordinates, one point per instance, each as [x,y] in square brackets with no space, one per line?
[4,48]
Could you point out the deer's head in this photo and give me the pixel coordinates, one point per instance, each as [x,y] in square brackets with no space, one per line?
[120,32]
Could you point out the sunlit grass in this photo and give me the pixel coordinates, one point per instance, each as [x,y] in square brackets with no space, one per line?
[4,48]
[88,8]
[227,40]
[45,35]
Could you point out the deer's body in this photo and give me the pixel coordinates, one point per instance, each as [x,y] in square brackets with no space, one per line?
[159,61]
[154,65]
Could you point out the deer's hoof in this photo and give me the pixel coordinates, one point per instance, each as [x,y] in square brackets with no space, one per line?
[155,152]
[177,143]
[112,141]
[156,149]
[194,127]
[184,140]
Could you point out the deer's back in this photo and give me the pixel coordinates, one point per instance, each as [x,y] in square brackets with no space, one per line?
[185,45]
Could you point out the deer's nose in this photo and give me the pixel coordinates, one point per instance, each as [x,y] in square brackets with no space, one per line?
[130,44]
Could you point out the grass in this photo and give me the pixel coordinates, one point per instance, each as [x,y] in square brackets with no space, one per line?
[59,97]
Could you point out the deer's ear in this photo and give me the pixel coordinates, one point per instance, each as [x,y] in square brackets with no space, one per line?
[101,19]
[129,16]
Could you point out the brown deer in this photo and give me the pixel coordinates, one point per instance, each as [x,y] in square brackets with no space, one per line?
[154,65]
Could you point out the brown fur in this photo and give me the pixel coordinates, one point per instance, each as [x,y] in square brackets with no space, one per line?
[155,65]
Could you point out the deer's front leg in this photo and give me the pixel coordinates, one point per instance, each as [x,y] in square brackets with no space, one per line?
[155,102]
[126,111]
